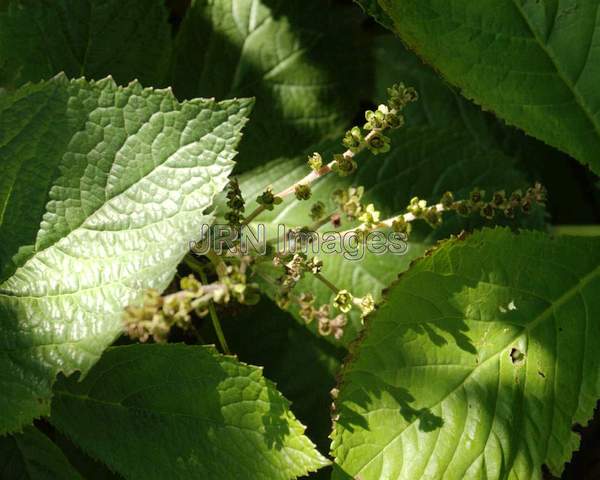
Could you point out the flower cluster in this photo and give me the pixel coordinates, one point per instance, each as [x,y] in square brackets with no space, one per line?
[157,314]
[326,324]
[499,202]
[349,201]
[236,204]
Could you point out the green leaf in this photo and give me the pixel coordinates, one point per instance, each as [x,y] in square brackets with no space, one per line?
[32,456]
[303,365]
[175,411]
[533,63]
[40,38]
[102,190]
[297,58]
[479,363]
[372,8]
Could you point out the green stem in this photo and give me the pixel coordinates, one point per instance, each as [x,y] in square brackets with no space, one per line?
[215,319]
[218,263]
[326,282]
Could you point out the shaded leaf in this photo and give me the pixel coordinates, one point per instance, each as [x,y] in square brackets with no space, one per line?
[32,456]
[175,411]
[40,38]
[535,64]
[296,58]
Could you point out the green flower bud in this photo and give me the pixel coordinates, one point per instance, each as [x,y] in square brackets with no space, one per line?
[462,208]
[447,200]
[370,216]
[477,196]
[417,207]
[268,200]
[433,217]
[353,139]
[499,198]
[317,211]
[302,191]
[400,225]
[400,96]
[191,284]
[315,162]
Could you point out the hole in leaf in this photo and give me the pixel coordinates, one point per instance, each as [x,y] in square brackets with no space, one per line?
[517,356]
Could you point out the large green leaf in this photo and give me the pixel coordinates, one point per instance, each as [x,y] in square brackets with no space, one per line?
[303,365]
[536,64]
[296,57]
[40,38]
[102,190]
[175,411]
[479,363]
[32,456]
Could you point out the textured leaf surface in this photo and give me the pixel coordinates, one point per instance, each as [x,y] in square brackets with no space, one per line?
[296,57]
[102,190]
[478,365]
[32,456]
[303,365]
[536,64]
[92,38]
[174,411]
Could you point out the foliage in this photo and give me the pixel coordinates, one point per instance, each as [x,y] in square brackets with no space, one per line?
[463,349]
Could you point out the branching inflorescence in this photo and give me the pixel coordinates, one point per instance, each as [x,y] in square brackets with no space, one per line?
[157,315]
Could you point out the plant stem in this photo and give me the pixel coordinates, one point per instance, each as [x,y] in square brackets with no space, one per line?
[326,282]
[389,222]
[215,319]
[219,264]
[313,175]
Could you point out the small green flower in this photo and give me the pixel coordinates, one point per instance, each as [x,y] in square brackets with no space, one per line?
[462,208]
[447,200]
[344,165]
[367,305]
[353,139]
[433,217]
[400,225]
[499,198]
[268,199]
[315,265]
[302,191]
[315,162]
[476,196]
[191,284]
[378,143]
[400,95]
[417,207]
[343,301]
[317,211]
[376,120]
[516,196]
[487,211]
[394,120]
[370,217]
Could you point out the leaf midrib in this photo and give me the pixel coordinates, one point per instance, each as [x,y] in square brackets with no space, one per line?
[541,317]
